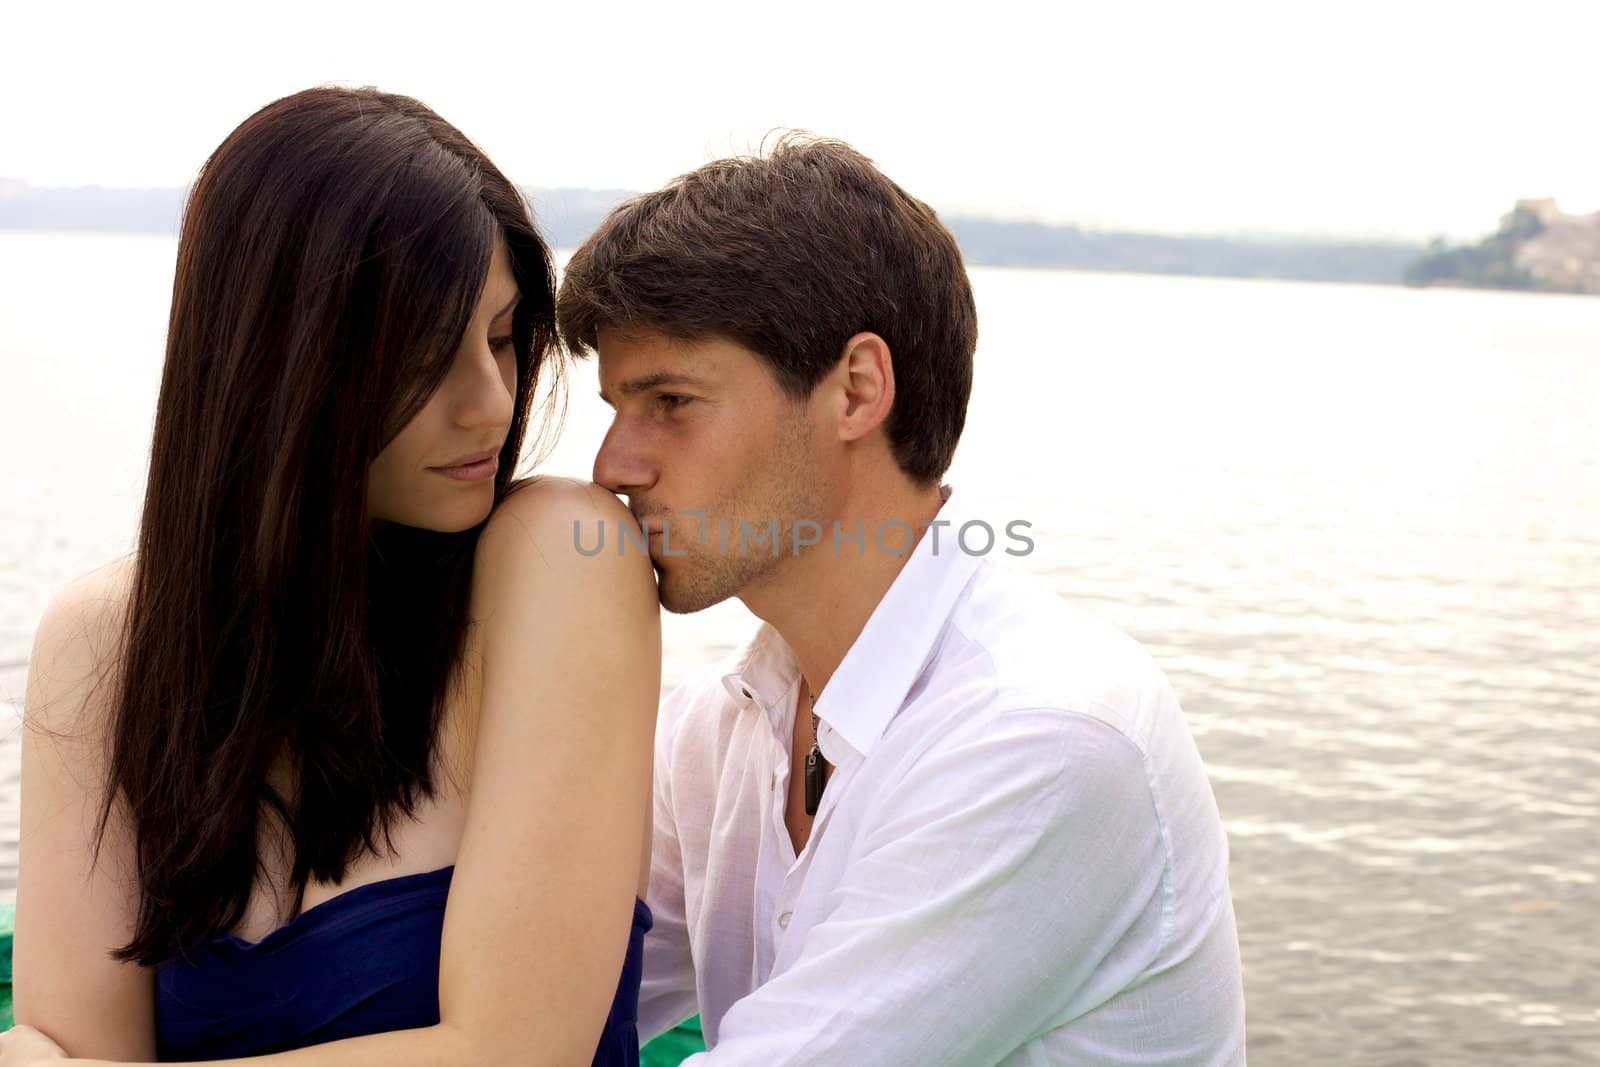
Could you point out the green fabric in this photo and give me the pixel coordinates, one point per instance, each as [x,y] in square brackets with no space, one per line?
[8,912]
[674,1046]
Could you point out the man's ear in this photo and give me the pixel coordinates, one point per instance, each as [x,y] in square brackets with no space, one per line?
[865,386]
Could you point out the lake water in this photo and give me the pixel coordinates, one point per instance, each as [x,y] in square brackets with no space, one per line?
[1359,527]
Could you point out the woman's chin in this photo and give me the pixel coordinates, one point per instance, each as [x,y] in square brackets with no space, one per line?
[456,517]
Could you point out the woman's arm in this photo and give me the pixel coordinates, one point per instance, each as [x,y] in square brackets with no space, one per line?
[540,912]
[540,906]
[72,912]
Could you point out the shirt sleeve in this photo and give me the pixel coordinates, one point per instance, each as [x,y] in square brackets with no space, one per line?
[1011,881]
[667,995]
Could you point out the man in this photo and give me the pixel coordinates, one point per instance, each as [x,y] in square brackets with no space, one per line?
[929,814]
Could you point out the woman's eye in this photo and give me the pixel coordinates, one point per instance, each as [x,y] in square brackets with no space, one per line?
[501,344]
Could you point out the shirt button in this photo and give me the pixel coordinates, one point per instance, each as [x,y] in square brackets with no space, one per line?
[783,920]
[745,691]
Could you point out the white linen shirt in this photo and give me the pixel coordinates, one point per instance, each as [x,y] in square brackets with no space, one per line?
[1017,860]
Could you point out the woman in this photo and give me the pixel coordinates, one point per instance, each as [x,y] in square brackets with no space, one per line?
[332,761]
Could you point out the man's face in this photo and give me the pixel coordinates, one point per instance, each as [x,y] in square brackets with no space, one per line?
[703,426]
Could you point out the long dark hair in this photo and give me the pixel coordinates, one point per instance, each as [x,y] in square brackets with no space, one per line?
[332,253]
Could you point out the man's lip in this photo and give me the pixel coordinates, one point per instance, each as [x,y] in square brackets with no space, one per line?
[467,461]
[652,527]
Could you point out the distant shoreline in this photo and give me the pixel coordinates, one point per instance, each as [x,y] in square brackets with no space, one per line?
[567,216]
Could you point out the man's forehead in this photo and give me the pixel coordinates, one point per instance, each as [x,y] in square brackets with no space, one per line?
[631,364]
[644,341]
[626,356]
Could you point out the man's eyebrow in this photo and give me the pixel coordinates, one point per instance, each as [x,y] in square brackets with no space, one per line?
[650,381]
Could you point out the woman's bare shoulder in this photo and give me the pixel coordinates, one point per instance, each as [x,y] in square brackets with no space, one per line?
[548,496]
[530,573]
[77,651]
[547,520]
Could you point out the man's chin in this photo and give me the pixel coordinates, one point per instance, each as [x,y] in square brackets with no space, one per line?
[687,602]
[685,594]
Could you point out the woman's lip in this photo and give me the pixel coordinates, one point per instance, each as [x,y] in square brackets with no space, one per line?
[467,461]
[473,468]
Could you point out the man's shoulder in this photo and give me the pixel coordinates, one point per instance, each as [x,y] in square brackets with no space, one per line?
[1069,694]
[1039,651]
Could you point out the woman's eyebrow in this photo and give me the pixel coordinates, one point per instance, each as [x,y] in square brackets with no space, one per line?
[509,305]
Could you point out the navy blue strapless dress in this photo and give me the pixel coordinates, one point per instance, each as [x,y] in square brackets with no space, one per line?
[363,962]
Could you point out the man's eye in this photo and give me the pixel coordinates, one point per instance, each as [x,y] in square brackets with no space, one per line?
[673,401]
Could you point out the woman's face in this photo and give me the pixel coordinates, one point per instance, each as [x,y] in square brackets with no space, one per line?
[438,472]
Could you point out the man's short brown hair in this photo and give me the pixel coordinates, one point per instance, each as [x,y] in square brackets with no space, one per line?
[790,254]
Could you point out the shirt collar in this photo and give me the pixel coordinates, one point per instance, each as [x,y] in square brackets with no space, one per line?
[867,689]
[764,670]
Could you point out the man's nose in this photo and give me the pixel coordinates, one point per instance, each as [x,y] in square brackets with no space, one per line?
[624,464]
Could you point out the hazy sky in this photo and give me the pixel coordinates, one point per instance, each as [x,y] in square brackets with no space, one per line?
[1355,117]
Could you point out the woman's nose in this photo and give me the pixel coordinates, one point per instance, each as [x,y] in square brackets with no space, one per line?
[485,393]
